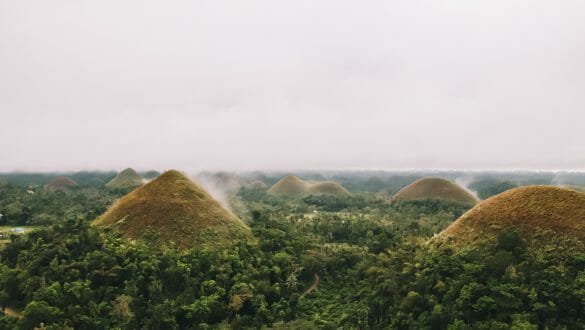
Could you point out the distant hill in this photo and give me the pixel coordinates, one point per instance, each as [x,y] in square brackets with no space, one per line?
[128,178]
[290,185]
[435,188]
[61,183]
[328,187]
[172,208]
[539,213]
[294,186]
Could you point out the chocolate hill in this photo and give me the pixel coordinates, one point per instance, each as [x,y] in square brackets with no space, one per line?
[538,213]
[128,178]
[328,187]
[435,188]
[172,208]
[294,186]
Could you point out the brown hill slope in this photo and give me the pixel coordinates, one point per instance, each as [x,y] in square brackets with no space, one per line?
[331,188]
[61,182]
[172,208]
[539,213]
[128,178]
[435,188]
[290,185]
[294,186]
[576,188]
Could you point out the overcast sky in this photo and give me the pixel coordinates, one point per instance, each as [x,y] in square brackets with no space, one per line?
[300,84]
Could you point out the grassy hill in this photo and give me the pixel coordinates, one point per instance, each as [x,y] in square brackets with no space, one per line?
[172,208]
[538,213]
[435,188]
[294,186]
[128,178]
[290,185]
[330,188]
[61,182]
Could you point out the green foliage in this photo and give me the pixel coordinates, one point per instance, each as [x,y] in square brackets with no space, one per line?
[317,262]
[39,206]
[489,187]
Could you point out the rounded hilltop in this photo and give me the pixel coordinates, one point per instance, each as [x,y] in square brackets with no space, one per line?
[328,187]
[290,185]
[294,186]
[539,213]
[61,183]
[128,178]
[435,188]
[173,208]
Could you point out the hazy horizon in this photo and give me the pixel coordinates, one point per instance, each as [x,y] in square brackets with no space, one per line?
[292,85]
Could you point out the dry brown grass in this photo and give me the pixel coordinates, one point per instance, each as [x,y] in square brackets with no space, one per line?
[539,213]
[290,185]
[435,188]
[294,186]
[331,188]
[172,209]
[128,178]
[576,188]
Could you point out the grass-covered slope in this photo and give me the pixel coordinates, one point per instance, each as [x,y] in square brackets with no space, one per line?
[576,188]
[538,213]
[294,186]
[330,188]
[290,185]
[128,178]
[435,188]
[172,208]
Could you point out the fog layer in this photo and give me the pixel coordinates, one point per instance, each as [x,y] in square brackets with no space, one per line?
[291,84]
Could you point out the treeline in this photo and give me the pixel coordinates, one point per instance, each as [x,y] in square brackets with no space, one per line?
[21,205]
[367,260]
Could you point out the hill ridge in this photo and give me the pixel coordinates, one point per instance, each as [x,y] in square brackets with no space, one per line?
[293,185]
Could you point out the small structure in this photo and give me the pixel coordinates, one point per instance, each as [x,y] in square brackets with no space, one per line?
[18,230]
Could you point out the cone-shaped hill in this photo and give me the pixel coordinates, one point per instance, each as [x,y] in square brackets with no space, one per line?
[435,188]
[539,213]
[327,187]
[128,178]
[290,185]
[294,186]
[61,183]
[172,208]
